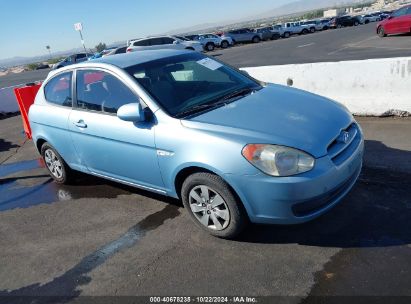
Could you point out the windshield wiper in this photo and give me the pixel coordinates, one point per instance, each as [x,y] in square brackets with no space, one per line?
[222,101]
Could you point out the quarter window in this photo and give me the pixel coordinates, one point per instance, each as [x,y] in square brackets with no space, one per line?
[102,92]
[58,90]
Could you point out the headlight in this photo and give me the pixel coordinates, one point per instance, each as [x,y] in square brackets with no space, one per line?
[278,160]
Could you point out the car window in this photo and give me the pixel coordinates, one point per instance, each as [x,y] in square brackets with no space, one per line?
[144,42]
[168,40]
[184,81]
[155,41]
[79,56]
[58,90]
[400,12]
[102,92]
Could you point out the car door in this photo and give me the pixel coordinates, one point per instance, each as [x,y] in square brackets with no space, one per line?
[106,145]
[397,22]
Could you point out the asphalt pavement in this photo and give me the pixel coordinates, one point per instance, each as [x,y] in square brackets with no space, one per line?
[99,238]
[351,43]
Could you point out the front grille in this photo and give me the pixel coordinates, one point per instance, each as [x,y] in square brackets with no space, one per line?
[340,151]
[314,205]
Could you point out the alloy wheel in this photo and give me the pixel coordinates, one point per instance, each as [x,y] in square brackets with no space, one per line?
[53,163]
[209,208]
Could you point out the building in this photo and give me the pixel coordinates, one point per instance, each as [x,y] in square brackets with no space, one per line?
[334,13]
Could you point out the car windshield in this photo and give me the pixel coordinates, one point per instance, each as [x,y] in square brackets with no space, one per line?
[187,84]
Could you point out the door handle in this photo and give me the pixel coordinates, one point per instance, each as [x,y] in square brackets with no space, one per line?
[80,124]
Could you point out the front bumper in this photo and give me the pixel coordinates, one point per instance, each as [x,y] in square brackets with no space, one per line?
[298,199]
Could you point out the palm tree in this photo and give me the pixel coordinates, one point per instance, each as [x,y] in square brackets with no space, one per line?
[48,48]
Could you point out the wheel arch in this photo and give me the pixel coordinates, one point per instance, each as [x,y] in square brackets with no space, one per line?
[185,172]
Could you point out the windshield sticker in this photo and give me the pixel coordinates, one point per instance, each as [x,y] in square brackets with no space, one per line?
[210,64]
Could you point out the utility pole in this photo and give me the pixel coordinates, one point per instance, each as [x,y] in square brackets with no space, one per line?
[79,28]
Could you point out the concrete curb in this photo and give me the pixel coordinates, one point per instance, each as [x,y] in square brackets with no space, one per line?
[374,87]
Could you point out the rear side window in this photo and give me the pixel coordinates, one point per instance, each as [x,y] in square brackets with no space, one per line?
[58,90]
[168,40]
[102,92]
[141,43]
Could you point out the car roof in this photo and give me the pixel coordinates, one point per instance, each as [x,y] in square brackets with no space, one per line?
[133,58]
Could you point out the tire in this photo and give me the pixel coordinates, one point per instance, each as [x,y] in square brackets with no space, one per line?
[190,49]
[210,47]
[256,39]
[304,32]
[325,28]
[287,35]
[312,30]
[224,44]
[225,220]
[356,23]
[339,26]
[367,21]
[381,32]
[55,165]
[274,37]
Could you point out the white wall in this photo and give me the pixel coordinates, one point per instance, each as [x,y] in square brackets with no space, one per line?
[367,87]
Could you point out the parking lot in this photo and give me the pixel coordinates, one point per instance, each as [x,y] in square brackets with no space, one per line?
[99,238]
[351,43]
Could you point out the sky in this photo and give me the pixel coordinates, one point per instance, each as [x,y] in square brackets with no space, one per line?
[27,26]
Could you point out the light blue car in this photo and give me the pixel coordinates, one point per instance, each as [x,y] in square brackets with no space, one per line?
[181,124]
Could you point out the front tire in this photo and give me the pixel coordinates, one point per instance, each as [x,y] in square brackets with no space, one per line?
[224,44]
[381,32]
[55,165]
[210,47]
[213,206]
[256,39]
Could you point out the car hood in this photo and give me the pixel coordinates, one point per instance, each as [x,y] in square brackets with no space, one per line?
[278,115]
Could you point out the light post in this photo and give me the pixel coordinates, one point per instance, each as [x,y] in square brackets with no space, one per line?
[79,28]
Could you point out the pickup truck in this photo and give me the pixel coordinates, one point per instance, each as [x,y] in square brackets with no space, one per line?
[244,35]
[291,28]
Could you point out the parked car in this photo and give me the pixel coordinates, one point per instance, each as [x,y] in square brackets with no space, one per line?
[267,33]
[339,22]
[398,22]
[119,50]
[42,66]
[365,19]
[317,25]
[164,42]
[291,28]
[185,125]
[72,59]
[211,41]
[244,35]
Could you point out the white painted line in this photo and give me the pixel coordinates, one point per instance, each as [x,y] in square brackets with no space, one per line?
[305,45]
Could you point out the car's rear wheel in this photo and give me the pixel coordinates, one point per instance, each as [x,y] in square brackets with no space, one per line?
[339,26]
[274,37]
[356,23]
[213,206]
[367,21]
[55,165]
[210,47]
[304,32]
[256,39]
[287,35]
[224,44]
[312,30]
[381,32]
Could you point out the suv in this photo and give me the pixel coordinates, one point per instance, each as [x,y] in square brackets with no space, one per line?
[244,35]
[211,41]
[164,42]
[339,22]
[72,59]
[398,22]
[371,18]
[291,28]
[267,33]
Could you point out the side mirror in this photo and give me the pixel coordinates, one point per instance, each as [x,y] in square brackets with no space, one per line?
[131,112]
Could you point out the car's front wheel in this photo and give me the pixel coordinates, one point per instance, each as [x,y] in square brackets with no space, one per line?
[210,47]
[224,44]
[256,39]
[55,165]
[213,206]
[381,32]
